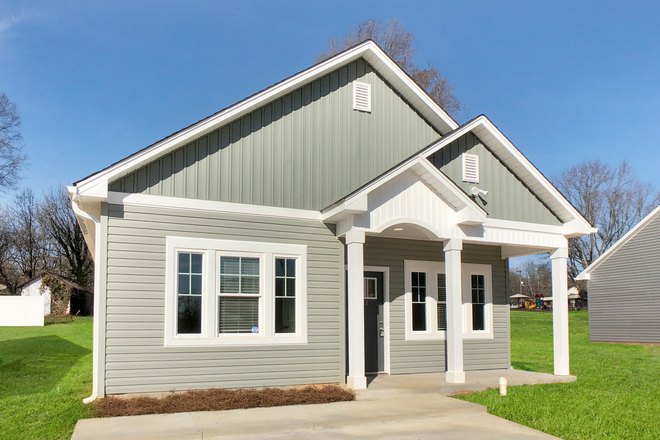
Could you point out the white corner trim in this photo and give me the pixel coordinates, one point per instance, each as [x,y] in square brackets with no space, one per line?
[153,201]
[586,273]
[368,49]
[211,249]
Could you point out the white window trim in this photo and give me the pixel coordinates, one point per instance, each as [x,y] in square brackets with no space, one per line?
[467,271]
[211,249]
[432,269]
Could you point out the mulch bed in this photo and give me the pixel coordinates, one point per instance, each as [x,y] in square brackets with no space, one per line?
[218,399]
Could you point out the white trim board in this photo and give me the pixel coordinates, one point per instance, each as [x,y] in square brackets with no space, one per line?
[586,273]
[368,50]
[153,201]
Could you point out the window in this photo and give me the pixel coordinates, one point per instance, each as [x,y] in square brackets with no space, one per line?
[238,299]
[470,168]
[442,302]
[418,301]
[285,295]
[477,301]
[189,293]
[225,292]
[425,300]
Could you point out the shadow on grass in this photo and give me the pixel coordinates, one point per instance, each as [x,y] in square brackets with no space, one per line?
[35,365]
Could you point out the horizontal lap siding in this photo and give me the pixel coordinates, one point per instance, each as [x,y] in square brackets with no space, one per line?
[429,356]
[136,360]
[624,291]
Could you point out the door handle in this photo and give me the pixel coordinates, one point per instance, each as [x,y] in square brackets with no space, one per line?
[382,333]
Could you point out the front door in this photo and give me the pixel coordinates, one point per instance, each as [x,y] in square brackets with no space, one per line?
[374,328]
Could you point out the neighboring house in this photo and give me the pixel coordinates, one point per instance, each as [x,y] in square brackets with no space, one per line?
[223,252]
[34,288]
[624,287]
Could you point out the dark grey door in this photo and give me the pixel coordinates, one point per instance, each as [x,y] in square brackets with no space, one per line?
[374,328]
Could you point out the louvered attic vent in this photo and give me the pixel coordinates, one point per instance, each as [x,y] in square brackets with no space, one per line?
[470,168]
[361,96]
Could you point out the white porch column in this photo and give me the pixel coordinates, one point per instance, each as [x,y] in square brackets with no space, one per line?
[355,243]
[455,373]
[560,310]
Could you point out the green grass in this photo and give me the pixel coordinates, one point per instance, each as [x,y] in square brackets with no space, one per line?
[45,372]
[616,396]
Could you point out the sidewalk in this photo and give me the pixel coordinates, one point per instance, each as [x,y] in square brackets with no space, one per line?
[410,416]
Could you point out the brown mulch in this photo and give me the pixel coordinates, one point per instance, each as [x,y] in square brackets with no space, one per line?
[218,399]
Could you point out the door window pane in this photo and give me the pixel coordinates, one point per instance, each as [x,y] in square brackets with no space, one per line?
[371,288]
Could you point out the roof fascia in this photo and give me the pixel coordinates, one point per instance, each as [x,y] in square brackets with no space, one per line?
[586,273]
[368,50]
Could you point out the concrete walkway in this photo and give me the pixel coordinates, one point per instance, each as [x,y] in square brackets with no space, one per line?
[393,407]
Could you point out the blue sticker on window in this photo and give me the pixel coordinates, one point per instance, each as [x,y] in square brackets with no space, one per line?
[255,329]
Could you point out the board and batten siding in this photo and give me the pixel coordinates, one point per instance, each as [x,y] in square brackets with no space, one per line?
[306,150]
[429,356]
[136,360]
[624,291]
[508,198]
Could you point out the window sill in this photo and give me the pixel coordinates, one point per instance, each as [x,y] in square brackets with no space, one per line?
[413,336]
[234,341]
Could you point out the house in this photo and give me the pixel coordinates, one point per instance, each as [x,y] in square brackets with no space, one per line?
[624,287]
[336,224]
[34,287]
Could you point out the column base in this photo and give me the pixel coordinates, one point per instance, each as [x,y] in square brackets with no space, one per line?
[562,371]
[455,376]
[357,382]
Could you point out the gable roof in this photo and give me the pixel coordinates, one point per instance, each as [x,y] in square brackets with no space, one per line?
[586,273]
[489,134]
[368,50]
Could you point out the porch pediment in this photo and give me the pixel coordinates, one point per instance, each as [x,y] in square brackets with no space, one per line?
[418,196]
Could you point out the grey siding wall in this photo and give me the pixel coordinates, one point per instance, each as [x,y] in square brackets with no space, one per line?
[135,359]
[508,198]
[305,150]
[429,356]
[624,291]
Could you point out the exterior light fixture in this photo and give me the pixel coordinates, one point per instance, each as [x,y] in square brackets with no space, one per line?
[398,229]
[476,191]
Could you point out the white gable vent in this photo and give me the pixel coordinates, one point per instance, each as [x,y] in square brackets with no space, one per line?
[470,168]
[361,96]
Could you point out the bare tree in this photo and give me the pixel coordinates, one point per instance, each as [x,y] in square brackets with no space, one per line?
[12,158]
[28,239]
[611,198]
[398,44]
[68,243]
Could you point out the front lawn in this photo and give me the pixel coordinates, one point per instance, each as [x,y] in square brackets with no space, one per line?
[616,396]
[45,372]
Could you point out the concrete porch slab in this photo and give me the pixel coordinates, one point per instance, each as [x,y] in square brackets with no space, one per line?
[385,386]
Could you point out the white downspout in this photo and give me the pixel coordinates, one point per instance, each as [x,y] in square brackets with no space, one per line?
[97,291]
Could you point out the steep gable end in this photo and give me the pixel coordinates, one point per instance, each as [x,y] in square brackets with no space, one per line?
[304,150]
[508,198]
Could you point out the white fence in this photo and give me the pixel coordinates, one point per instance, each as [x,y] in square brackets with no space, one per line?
[21,311]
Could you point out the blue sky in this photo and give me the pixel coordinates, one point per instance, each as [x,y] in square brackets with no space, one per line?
[566,81]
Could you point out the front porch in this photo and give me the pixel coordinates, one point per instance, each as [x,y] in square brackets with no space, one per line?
[383,386]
